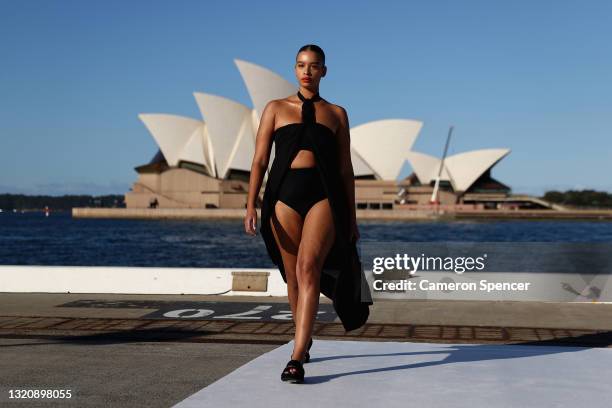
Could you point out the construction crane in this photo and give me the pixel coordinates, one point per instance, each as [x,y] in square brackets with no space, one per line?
[434,194]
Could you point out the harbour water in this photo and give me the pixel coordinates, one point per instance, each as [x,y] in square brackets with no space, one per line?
[31,238]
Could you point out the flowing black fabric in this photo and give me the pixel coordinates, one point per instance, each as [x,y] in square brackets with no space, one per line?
[342,276]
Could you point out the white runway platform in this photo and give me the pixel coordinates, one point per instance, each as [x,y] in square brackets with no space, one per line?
[398,374]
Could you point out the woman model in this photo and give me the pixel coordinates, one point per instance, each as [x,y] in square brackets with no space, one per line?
[308,219]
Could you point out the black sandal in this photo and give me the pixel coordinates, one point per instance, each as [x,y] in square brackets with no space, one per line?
[307,354]
[293,372]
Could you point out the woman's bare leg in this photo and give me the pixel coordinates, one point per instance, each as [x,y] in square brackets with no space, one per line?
[318,236]
[286,226]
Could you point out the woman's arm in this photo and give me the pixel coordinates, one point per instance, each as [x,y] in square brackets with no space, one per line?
[263,146]
[346,166]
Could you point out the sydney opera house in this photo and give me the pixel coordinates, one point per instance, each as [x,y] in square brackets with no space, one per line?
[205,163]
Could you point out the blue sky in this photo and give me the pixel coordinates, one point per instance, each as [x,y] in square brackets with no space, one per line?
[535,77]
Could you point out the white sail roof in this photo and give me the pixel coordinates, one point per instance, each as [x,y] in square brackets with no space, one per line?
[360,166]
[461,169]
[230,131]
[172,133]
[426,167]
[196,152]
[383,144]
[465,168]
[263,85]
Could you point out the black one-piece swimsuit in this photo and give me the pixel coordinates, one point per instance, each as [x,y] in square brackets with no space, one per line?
[302,186]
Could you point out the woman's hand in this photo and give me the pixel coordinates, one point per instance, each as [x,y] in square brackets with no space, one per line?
[250,222]
[354,232]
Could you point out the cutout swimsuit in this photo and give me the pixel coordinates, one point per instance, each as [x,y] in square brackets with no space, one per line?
[302,186]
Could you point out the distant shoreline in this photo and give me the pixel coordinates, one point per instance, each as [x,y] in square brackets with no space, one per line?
[393,215]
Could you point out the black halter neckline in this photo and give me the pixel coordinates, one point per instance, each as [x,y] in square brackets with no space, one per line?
[308,109]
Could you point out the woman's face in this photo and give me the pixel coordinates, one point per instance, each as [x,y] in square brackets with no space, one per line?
[309,69]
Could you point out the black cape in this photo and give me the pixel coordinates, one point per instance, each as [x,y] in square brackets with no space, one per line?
[342,277]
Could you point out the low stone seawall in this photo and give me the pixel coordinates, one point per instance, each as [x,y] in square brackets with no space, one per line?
[537,214]
[226,213]
[238,213]
[157,213]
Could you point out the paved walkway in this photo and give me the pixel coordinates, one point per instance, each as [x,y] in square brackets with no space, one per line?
[156,351]
[267,320]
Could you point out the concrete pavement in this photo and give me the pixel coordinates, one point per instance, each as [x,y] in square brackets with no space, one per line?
[156,350]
